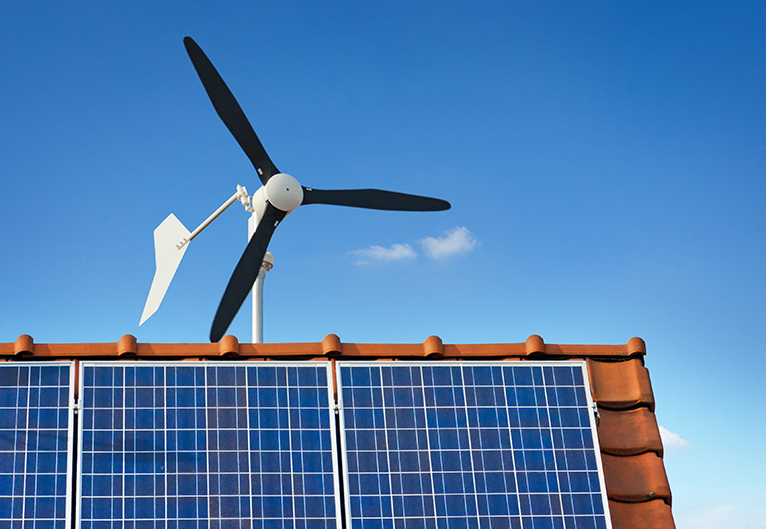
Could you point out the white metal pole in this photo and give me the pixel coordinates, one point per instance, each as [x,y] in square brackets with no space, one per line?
[258,306]
[266,265]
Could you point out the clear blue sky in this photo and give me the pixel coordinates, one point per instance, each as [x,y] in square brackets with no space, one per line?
[608,161]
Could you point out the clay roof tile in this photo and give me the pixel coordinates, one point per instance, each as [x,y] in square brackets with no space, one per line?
[629,432]
[635,479]
[654,514]
[620,385]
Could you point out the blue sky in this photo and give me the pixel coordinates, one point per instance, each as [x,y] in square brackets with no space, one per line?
[605,165]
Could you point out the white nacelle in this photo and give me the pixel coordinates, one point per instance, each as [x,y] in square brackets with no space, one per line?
[259,203]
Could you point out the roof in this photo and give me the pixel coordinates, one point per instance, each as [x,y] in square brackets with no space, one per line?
[631,448]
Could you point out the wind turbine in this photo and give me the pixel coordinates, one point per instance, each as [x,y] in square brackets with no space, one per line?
[279,195]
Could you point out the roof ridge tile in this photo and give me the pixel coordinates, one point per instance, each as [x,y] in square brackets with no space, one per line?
[620,385]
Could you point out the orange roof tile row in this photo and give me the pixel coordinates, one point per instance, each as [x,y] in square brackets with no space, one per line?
[631,448]
[331,346]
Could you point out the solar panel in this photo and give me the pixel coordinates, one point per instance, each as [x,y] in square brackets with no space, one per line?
[467,445]
[182,445]
[36,408]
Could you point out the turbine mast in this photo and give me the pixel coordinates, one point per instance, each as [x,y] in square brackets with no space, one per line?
[257,291]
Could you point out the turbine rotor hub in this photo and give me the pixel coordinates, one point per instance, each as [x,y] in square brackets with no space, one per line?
[284,192]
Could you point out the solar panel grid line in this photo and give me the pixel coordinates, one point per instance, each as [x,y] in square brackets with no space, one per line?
[260,457]
[396,460]
[428,445]
[503,465]
[571,503]
[214,478]
[523,447]
[553,396]
[167,437]
[543,396]
[25,456]
[510,441]
[419,468]
[29,434]
[489,507]
[249,454]
[383,484]
[289,460]
[23,471]
[538,404]
[536,441]
[569,484]
[295,478]
[471,452]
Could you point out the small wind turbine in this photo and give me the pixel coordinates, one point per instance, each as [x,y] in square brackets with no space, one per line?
[278,196]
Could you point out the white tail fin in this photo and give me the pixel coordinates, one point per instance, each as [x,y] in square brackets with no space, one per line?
[167,253]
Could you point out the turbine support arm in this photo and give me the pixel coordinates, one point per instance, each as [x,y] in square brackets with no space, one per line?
[240,195]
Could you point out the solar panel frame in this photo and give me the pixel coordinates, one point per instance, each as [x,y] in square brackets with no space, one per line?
[215,470]
[384,493]
[32,409]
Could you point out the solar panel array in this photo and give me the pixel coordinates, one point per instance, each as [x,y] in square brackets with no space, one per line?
[182,445]
[36,403]
[466,445]
[442,445]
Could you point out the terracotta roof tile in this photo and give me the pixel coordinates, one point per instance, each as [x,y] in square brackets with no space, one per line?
[635,479]
[653,514]
[628,433]
[636,482]
[620,385]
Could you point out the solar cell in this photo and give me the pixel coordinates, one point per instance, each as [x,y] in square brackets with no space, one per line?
[207,444]
[467,445]
[36,408]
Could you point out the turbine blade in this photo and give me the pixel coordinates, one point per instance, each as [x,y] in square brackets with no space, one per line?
[230,112]
[245,273]
[373,199]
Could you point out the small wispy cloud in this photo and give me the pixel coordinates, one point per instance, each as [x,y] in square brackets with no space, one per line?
[458,240]
[740,515]
[396,252]
[672,441]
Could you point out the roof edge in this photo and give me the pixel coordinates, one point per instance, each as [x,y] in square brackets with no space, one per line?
[330,346]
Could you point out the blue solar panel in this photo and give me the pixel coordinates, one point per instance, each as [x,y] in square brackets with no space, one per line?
[207,444]
[36,407]
[467,445]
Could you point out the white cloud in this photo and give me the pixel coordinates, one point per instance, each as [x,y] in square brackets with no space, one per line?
[708,517]
[672,441]
[396,252]
[742,516]
[459,240]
